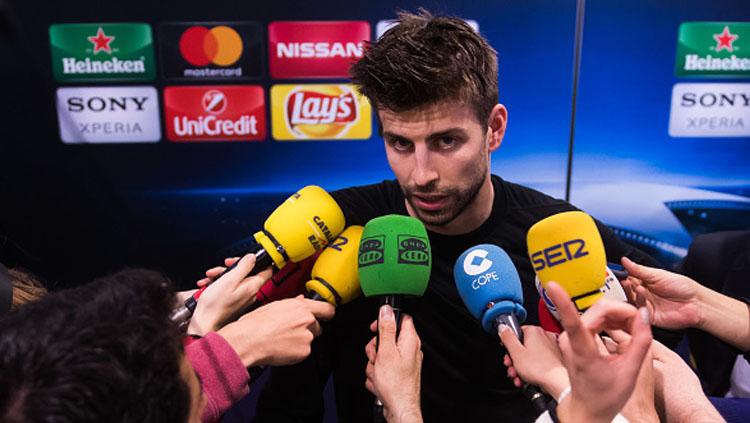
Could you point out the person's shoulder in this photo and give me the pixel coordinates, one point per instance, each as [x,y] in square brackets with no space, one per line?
[519,196]
[362,203]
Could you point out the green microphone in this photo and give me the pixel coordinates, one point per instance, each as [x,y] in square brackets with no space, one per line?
[394,260]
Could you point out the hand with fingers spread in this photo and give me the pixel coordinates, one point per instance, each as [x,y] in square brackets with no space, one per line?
[672,299]
[394,370]
[678,302]
[279,333]
[227,296]
[537,361]
[679,396]
[601,384]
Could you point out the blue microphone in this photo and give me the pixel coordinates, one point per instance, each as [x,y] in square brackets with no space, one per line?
[490,287]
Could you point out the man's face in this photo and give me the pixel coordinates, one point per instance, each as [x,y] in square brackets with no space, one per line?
[440,156]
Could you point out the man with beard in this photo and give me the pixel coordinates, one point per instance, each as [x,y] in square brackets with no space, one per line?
[433,82]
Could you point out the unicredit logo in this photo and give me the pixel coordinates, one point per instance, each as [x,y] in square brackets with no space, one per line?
[214,102]
[220,45]
[476,262]
[226,113]
[324,49]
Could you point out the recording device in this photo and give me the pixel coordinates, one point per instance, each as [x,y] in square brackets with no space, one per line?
[490,287]
[394,260]
[566,248]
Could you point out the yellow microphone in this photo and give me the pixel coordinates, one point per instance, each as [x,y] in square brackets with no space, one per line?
[302,225]
[566,248]
[334,276]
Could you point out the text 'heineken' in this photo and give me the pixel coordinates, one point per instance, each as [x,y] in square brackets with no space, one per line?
[102,52]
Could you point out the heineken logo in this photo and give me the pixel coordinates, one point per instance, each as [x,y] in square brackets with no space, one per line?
[371,251]
[102,52]
[725,40]
[713,49]
[101,42]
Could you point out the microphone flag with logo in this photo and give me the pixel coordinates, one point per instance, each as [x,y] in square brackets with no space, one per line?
[490,287]
[302,225]
[335,276]
[566,248]
[611,289]
[394,260]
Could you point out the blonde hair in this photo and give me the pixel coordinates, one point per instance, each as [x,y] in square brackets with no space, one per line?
[26,287]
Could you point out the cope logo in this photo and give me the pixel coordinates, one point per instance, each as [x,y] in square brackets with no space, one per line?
[559,254]
[302,112]
[371,251]
[212,50]
[413,250]
[215,113]
[108,115]
[476,262]
[324,49]
[102,52]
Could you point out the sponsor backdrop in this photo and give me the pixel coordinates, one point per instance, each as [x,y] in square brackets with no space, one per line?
[161,134]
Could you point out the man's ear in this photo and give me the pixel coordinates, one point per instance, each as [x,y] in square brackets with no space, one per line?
[497,123]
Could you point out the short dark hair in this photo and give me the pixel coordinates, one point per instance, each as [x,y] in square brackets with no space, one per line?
[426,59]
[103,352]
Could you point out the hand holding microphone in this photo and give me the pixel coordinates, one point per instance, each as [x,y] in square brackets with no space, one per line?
[394,260]
[305,223]
[227,296]
[279,333]
[490,287]
[394,368]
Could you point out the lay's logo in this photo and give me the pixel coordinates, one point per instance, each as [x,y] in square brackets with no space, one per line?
[317,111]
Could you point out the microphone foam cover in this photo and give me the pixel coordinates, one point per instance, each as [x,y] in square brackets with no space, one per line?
[489,285]
[567,248]
[334,275]
[394,257]
[303,224]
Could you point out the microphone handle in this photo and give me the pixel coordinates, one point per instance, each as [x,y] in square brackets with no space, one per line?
[312,295]
[395,302]
[181,316]
[533,393]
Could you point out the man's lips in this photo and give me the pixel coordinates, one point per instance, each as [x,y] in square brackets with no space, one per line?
[429,202]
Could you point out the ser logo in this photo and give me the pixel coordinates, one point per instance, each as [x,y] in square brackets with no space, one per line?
[371,251]
[559,254]
[413,250]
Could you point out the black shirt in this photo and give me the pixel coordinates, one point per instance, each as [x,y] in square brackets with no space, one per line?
[463,378]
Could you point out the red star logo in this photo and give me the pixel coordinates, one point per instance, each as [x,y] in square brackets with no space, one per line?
[101,41]
[725,40]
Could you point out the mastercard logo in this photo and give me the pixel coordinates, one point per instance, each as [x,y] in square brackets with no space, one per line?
[220,45]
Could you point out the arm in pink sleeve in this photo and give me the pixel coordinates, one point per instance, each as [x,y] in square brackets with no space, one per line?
[223,376]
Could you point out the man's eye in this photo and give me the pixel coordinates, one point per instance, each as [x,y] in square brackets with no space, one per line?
[401,145]
[447,142]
